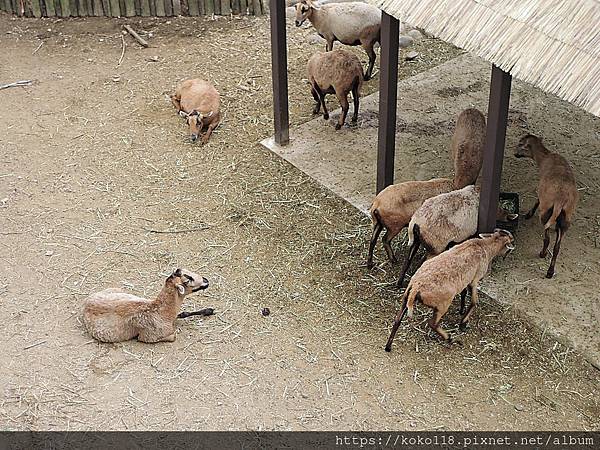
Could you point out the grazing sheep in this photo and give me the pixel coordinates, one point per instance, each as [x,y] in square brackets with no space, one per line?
[337,72]
[199,102]
[467,146]
[443,221]
[440,279]
[393,208]
[114,316]
[351,23]
[557,192]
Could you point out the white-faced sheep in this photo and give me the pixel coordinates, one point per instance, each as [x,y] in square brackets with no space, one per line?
[466,147]
[443,221]
[393,208]
[440,279]
[199,102]
[557,192]
[114,316]
[338,72]
[351,23]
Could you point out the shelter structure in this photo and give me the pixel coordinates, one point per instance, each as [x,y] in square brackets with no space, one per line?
[551,44]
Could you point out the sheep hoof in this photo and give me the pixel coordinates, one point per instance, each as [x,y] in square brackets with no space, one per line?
[326,116]
[463,326]
[550,273]
[543,254]
[338,126]
[388,348]
[354,119]
[369,265]
[367,77]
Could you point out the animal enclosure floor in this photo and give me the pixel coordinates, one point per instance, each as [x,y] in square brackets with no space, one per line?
[428,104]
[100,187]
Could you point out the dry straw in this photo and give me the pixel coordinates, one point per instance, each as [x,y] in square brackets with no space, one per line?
[552,44]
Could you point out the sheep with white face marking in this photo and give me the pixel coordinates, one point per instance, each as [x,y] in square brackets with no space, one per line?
[114,316]
[557,192]
[393,208]
[440,279]
[466,147]
[199,103]
[337,72]
[444,220]
[351,23]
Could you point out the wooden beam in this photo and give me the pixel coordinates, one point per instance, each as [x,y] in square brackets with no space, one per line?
[388,97]
[279,72]
[491,174]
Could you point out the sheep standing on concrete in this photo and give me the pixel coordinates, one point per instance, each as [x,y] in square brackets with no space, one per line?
[393,208]
[443,221]
[114,316]
[467,146]
[440,279]
[557,192]
[337,72]
[351,23]
[199,102]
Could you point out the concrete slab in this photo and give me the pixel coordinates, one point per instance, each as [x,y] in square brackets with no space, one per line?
[345,162]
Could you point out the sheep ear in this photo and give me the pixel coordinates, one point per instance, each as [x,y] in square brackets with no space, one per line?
[180,289]
[209,114]
[510,246]
[183,114]
[177,272]
[513,216]
[485,235]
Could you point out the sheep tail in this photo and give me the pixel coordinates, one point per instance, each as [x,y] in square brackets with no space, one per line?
[411,300]
[376,217]
[551,217]
[413,233]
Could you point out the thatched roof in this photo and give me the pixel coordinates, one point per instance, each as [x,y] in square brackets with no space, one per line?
[552,44]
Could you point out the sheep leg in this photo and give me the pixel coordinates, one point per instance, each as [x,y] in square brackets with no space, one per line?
[387,244]
[322,100]
[411,254]
[399,317]
[209,131]
[315,95]
[434,323]
[151,339]
[176,102]
[463,296]
[531,212]
[329,45]
[474,298]
[355,98]
[544,251]
[374,236]
[202,312]
[369,49]
[559,236]
[343,98]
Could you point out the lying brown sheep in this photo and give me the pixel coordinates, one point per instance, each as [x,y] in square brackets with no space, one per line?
[199,102]
[114,316]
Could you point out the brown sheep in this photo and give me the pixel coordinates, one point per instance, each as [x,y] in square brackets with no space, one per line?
[199,102]
[351,23]
[114,316]
[337,72]
[440,279]
[466,147]
[393,208]
[557,192]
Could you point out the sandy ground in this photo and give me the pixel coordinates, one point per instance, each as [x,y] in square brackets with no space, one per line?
[99,187]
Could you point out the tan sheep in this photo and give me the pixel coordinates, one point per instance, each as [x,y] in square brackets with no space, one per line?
[467,146]
[557,192]
[440,279]
[199,102]
[443,221]
[337,72]
[393,208]
[114,316]
[351,23]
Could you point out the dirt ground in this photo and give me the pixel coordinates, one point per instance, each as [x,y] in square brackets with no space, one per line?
[99,187]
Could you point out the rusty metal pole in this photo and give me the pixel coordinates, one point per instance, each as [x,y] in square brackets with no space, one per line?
[388,86]
[279,72]
[494,148]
